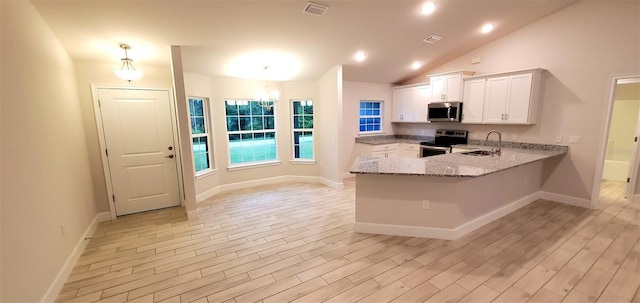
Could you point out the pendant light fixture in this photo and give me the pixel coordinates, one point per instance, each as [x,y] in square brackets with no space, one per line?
[127,71]
[265,99]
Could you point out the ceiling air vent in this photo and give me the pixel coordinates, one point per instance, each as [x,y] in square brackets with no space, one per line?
[315,9]
[432,39]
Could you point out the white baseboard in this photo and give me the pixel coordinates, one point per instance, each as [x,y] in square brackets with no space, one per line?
[347,175]
[63,274]
[332,184]
[280,179]
[580,202]
[403,230]
[495,215]
[192,214]
[444,233]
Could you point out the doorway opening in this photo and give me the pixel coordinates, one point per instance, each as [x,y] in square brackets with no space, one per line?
[621,160]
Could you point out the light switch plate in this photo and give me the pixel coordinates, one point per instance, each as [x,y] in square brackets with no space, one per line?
[574,139]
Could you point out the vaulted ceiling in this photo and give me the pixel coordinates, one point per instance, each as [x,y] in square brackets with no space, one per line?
[238,38]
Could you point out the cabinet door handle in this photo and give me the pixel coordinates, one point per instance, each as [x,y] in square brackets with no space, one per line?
[506,116]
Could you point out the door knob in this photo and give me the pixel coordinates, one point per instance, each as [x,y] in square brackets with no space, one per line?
[169,156]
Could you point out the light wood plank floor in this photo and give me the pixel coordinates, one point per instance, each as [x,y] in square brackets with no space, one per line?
[294,242]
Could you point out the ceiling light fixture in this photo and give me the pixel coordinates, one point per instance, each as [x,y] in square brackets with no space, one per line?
[428,8]
[265,99]
[127,71]
[360,56]
[416,65]
[487,28]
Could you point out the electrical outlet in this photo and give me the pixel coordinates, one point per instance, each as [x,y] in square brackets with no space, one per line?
[558,139]
[574,139]
[425,204]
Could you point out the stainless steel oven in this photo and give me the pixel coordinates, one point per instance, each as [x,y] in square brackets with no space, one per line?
[428,151]
[442,142]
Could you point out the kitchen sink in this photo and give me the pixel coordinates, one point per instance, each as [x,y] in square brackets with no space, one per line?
[478,153]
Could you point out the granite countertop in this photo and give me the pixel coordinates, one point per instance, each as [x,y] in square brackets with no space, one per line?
[389,139]
[456,164]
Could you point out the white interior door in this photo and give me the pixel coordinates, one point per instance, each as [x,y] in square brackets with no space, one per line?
[140,149]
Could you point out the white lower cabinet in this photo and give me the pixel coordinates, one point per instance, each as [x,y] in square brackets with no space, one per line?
[385,151]
[508,98]
[409,150]
[391,150]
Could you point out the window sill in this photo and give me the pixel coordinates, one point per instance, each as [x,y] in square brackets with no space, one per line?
[205,173]
[302,162]
[253,165]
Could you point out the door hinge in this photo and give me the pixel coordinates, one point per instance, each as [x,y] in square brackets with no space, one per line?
[106,151]
[635,139]
[99,105]
[113,197]
[628,180]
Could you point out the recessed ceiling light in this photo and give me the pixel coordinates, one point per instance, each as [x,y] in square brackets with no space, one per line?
[360,56]
[416,65]
[487,28]
[428,8]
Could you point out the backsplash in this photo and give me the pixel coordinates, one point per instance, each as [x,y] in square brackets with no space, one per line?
[520,145]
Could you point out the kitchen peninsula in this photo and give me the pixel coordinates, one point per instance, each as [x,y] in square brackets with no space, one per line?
[449,195]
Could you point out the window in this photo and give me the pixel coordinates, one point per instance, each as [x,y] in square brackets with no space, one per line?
[302,129]
[370,116]
[251,131]
[198,114]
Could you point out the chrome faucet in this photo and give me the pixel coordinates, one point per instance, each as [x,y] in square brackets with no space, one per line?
[498,150]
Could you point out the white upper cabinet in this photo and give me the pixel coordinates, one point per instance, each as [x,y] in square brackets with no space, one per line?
[473,101]
[410,103]
[505,98]
[447,87]
[402,105]
[512,99]
[422,98]
[519,109]
[495,100]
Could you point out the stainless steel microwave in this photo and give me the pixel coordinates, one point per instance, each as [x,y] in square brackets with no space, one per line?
[444,111]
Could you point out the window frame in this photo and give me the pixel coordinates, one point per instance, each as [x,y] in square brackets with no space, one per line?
[294,130]
[380,116]
[242,165]
[207,133]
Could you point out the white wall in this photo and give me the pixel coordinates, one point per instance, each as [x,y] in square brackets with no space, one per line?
[329,120]
[100,73]
[576,86]
[46,176]
[622,130]
[353,92]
